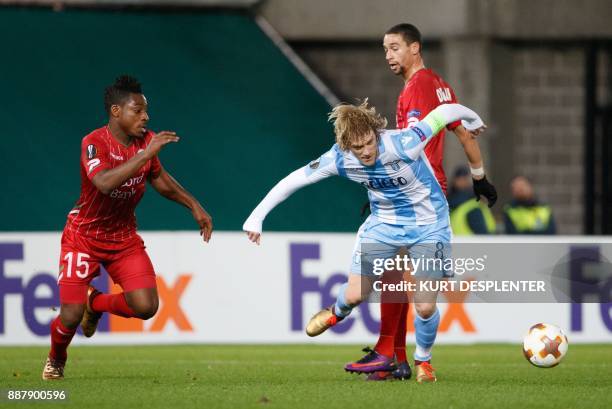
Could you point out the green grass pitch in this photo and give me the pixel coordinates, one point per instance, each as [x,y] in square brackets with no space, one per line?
[307,376]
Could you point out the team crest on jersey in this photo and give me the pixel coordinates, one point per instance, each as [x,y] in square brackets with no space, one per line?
[394,165]
[315,164]
[91,151]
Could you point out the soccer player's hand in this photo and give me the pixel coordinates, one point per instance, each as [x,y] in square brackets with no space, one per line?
[475,125]
[477,131]
[482,187]
[204,221]
[159,140]
[252,226]
[254,237]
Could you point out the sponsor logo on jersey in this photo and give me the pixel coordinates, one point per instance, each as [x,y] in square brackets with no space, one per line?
[383,183]
[91,151]
[116,157]
[315,164]
[121,194]
[133,181]
[355,171]
[414,112]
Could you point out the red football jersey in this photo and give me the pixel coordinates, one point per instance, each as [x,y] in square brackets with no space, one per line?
[109,219]
[423,93]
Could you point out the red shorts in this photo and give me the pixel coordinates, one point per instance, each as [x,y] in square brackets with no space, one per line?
[80,261]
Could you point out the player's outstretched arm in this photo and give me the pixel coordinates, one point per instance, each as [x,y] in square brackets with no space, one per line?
[414,140]
[169,188]
[283,189]
[109,179]
[321,168]
[315,171]
[482,187]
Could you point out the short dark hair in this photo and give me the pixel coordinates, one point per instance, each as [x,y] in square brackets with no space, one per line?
[117,93]
[521,176]
[409,33]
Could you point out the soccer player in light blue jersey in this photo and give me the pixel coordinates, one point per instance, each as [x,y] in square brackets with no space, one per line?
[408,206]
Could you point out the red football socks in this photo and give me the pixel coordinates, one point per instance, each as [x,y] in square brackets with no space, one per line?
[112,303]
[60,339]
[389,316]
[400,334]
[393,311]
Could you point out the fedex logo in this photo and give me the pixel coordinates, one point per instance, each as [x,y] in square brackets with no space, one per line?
[15,285]
[169,308]
[585,288]
[169,294]
[301,285]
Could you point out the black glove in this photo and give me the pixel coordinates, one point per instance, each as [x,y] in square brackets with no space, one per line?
[482,187]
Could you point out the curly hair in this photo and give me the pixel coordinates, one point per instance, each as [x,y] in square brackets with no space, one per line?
[117,93]
[352,122]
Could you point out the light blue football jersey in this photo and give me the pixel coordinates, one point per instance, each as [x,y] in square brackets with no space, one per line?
[402,187]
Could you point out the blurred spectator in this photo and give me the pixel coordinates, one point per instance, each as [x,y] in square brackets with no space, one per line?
[468,216]
[525,215]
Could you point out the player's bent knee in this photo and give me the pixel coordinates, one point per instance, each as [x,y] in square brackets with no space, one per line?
[71,314]
[425,310]
[143,302]
[149,312]
[146,310]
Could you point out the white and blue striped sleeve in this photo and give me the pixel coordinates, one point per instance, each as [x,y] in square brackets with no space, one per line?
[323,167]
[410,142]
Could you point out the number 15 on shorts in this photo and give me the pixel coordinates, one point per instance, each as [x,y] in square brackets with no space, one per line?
[74,263]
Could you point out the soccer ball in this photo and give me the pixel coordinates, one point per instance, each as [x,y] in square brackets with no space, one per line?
[545,345]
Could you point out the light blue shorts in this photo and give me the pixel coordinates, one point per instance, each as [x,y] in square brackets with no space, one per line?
[428,246]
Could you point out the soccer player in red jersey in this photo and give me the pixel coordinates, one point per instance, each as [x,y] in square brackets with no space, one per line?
[423,91]
[116,162]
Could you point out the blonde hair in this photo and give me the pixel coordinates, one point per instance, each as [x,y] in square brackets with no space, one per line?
[352,122]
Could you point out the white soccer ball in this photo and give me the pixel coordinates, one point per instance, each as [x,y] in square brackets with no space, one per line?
[545,345]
